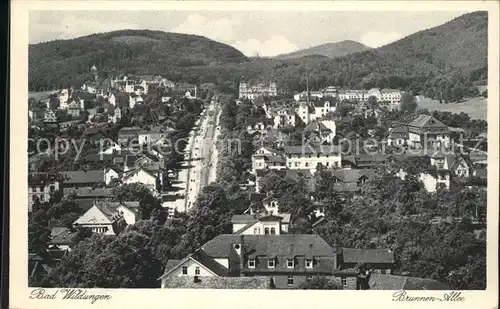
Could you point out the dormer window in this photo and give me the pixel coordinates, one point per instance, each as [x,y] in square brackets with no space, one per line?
[251,263]
[270,263]
[290,263]
[309,263]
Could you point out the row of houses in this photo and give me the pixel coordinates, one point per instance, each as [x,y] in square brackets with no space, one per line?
[391,97]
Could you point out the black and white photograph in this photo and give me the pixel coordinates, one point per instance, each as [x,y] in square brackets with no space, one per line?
[256,149]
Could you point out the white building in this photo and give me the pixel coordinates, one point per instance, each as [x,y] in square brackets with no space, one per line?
[252,92]
[308,157]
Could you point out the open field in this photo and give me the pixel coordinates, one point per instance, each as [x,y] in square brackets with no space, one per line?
[476,107]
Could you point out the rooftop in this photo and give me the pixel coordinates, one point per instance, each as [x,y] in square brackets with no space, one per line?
[76,177]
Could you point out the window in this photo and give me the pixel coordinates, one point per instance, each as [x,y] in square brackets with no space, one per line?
[256,231]
[266,231]
[197,270]
[290,280]
[309,278]
[41,197]
[251,263]
[184,270]
[344,281]
[307,164]
[309,263]
[289,263]
[270,263]
[273,231]
[273,204]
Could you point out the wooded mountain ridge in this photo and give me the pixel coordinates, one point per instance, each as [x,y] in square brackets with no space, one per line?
[330,50]
[431,62]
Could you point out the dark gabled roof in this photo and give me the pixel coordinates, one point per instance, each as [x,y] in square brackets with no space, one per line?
[42,178]
[368,256]
[76,177]
[399,131]
[427,122]
[242,219]
[62,236]
[353,175]
[270,245]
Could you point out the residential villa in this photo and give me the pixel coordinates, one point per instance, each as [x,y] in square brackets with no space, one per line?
[109,218]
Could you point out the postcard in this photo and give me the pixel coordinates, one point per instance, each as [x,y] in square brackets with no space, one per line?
[212,154]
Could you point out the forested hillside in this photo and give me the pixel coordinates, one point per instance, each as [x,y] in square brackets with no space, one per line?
[331,50]
[442,62]
[62,63]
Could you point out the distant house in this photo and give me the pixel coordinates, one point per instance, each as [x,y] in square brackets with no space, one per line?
[459,165]
[431,180]
[350,180]
[426,128]
[151,178]
[152,135]
[398,136]
[41,186]
[110,174]
[263,161]
[309,157]
[325,130]
[261,224]
[74,109]
[108,218]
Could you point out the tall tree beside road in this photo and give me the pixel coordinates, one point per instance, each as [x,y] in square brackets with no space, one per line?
[408,102]
[210,216]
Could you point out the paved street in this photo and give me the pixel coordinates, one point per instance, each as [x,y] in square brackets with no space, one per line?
[201,160]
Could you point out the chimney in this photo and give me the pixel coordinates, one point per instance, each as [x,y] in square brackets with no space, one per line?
[242,257]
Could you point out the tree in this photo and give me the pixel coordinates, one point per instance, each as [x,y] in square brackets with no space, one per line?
[408,102]
[320,283]
[54,103]
[104,261]
[372,102]
[140,193]
[210,216]
[38,231]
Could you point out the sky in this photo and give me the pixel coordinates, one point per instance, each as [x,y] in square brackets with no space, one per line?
[253,33]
